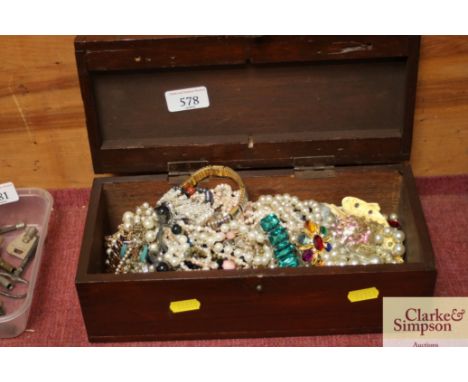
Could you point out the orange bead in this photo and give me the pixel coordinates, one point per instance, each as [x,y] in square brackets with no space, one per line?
[189,190]
[311,226]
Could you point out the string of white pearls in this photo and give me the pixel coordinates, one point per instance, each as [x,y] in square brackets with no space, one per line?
[241,243]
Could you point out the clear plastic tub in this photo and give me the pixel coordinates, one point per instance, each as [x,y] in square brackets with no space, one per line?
[33,208]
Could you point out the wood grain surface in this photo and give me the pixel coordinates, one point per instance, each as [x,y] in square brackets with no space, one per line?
[43,140]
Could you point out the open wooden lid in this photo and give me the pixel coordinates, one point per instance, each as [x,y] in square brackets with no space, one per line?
[274,101]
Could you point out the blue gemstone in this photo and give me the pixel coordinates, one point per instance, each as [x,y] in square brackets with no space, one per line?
[123,249]
[277,231]
[282,245]
[143,254]
[290,262]
[285,253]
[303,239]
[328,247]
[269,222]
[276,240]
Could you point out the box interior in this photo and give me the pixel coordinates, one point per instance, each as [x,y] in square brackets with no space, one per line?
[382,184]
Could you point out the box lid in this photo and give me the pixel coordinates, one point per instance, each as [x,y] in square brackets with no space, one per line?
[273,100]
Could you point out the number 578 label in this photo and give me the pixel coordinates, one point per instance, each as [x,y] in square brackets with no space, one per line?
[187,99]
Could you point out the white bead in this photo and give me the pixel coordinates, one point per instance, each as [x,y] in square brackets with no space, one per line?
[153,247]
[268,199]
[251,235]
[393,217]
[218,247]
[228,249]
[325,256]
[387,230]
[220,236]
[260,238]
[174,261]
[243,229]
[257,260]
[182,239]
[203,237]
[148,224]
[399,235]
[248,257]
[127,217]
[378,239]
[136,219]
[210,241]
[150,236]
[145,205]
[265,260]
[139,211]
[234,225]
[224,228]
[399,249]
[127,227]
[375,260]
[149,212]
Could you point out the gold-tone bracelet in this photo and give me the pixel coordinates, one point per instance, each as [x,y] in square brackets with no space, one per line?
[220,172]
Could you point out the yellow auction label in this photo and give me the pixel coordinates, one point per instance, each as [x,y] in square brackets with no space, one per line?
[184,305]
[363,294]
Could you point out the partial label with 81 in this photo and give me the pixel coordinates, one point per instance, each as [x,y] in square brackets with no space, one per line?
[187,99]
[8,193]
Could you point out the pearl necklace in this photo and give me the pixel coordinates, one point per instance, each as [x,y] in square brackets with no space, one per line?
[175,236]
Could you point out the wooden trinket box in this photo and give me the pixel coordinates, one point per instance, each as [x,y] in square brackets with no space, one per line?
[316,117]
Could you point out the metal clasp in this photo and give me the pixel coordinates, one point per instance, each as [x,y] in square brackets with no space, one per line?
[179,171]
[314,167]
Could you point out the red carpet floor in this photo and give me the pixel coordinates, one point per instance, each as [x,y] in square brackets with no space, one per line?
[56,317]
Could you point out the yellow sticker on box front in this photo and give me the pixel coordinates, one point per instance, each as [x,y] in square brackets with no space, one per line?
[184,305]
[363,294]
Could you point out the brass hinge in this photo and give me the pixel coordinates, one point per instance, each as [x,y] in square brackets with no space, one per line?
[177,172]
[314,167]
